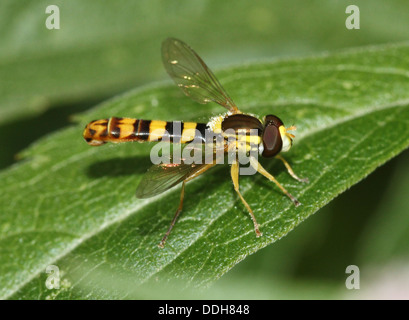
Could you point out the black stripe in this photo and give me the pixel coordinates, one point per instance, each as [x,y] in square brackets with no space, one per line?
[201,131]
[134,134]
[169,131]
[114,130]
[143,129]
[175,129]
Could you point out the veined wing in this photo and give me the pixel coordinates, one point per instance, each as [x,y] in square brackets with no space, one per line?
[192,75]
[161,177]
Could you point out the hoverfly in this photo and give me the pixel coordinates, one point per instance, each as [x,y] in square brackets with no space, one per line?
[198,82]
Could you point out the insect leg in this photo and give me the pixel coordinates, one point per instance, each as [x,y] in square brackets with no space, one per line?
[290,170]
[235,178]
[178,211]
[256,165]
[195,174]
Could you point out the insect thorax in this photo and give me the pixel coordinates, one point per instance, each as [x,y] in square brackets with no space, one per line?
[242,130]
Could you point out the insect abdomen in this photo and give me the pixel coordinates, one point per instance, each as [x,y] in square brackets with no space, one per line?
[127,129]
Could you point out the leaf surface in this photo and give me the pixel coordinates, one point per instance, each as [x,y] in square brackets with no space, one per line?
[71,205]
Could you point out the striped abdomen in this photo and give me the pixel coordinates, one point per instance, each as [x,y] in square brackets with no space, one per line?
[114,129]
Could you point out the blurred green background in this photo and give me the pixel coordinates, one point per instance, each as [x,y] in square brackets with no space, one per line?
[107,47]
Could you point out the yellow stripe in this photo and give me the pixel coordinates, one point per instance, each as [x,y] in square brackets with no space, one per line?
[157,129]
[188,133]
[126,127]
[100,126]
[250,139]
[127,121]
[243,137]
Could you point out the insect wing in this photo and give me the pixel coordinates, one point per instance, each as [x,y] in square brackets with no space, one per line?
[192,75]
[161,177]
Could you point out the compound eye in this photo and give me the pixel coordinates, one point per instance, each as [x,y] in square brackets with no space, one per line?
[272,142]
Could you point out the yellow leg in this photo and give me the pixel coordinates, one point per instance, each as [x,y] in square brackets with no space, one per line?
[290,170]
[235,178]
[257,166]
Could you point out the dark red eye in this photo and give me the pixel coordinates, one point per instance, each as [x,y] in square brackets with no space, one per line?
[272,142]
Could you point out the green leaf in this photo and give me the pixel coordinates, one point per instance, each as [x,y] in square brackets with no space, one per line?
[73,206]
[386,238]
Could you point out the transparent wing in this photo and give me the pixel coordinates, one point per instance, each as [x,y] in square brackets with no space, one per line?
[192,75]
[161,177]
